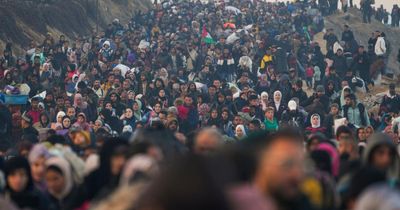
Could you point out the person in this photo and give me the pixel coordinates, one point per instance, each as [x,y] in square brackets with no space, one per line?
[283,187]
[355,112]
[64,192]
[26,125]
[382,154]
[316,125]
[207,141]
[390,101]
[278,104]
[37,159]
[19,188]
[104,180]
[292,117]
[240,132]
[270,122]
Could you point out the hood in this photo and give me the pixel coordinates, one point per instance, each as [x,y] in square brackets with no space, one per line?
[379,139]
[65,168]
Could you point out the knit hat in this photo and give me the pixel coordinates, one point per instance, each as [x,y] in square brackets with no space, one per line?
[321,89]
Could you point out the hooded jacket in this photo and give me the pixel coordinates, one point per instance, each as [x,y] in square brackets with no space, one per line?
[72,196]
[380,139]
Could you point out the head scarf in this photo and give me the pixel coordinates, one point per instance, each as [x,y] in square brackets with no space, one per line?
[60,114]
[276,93]
[83,104]
[243,130]
[319,121]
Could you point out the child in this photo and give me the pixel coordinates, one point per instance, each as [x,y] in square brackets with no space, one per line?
[270,122]
[309,76]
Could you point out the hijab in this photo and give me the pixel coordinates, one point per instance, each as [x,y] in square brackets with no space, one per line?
[277,103]
[263,103]
[82,105]
[243,130]
[319,121]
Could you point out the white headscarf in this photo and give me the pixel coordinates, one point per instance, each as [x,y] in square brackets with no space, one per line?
[264,104]
[277,103]
[60,114]
[65,167]
[319,121]
[243,130]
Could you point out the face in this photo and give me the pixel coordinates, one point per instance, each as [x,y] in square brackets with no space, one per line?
[79,139]
[38,169]
[264,97]
[382,157]
[135,107]
[59,119]
[334,110]
[157,108]
[188,101]
[71,112]
[161,93]
[282,162]
[113,97]
[368,132]
[55,181]
[109,106]
[18,180]
[237,120]
[128,113]
[225,115]
[269,114]
[66,122]
[348,101]
[362,134]
[239,132]
[277,97]
[315,120]
[35,104]
[214,114]
[81,119]
[117,162]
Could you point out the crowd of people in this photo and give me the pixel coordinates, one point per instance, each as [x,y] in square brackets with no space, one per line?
[201,106]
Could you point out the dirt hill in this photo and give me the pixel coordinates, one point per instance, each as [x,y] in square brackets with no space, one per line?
[362,32]
[25,20]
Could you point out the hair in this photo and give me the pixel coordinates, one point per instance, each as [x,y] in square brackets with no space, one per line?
[343,129]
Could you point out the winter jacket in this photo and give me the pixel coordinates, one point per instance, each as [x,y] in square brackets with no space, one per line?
[380,47]
[357,115]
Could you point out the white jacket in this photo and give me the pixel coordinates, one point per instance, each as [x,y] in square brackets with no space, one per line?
[380,46]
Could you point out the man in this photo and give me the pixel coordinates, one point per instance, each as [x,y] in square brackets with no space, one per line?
[188,115]
[355,112]
[330,38]
[347,35]
[280,170]
[298,91]
[391,101]
[361,64]
[340,63]
[34,111]
[293,117]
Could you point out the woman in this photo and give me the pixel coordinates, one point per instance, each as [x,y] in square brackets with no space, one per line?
[270,122]
[240,132]
[105,179]
[81,122]
[369,130]
[37,159]
[128,118]
[44,122]
[19,185]
[264,101]
[214,119]
[58,122]
[361,135]
[278,104]
[66,125]
[137,110]
[65,194]
[82,106]
[162,98]
[315,125]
